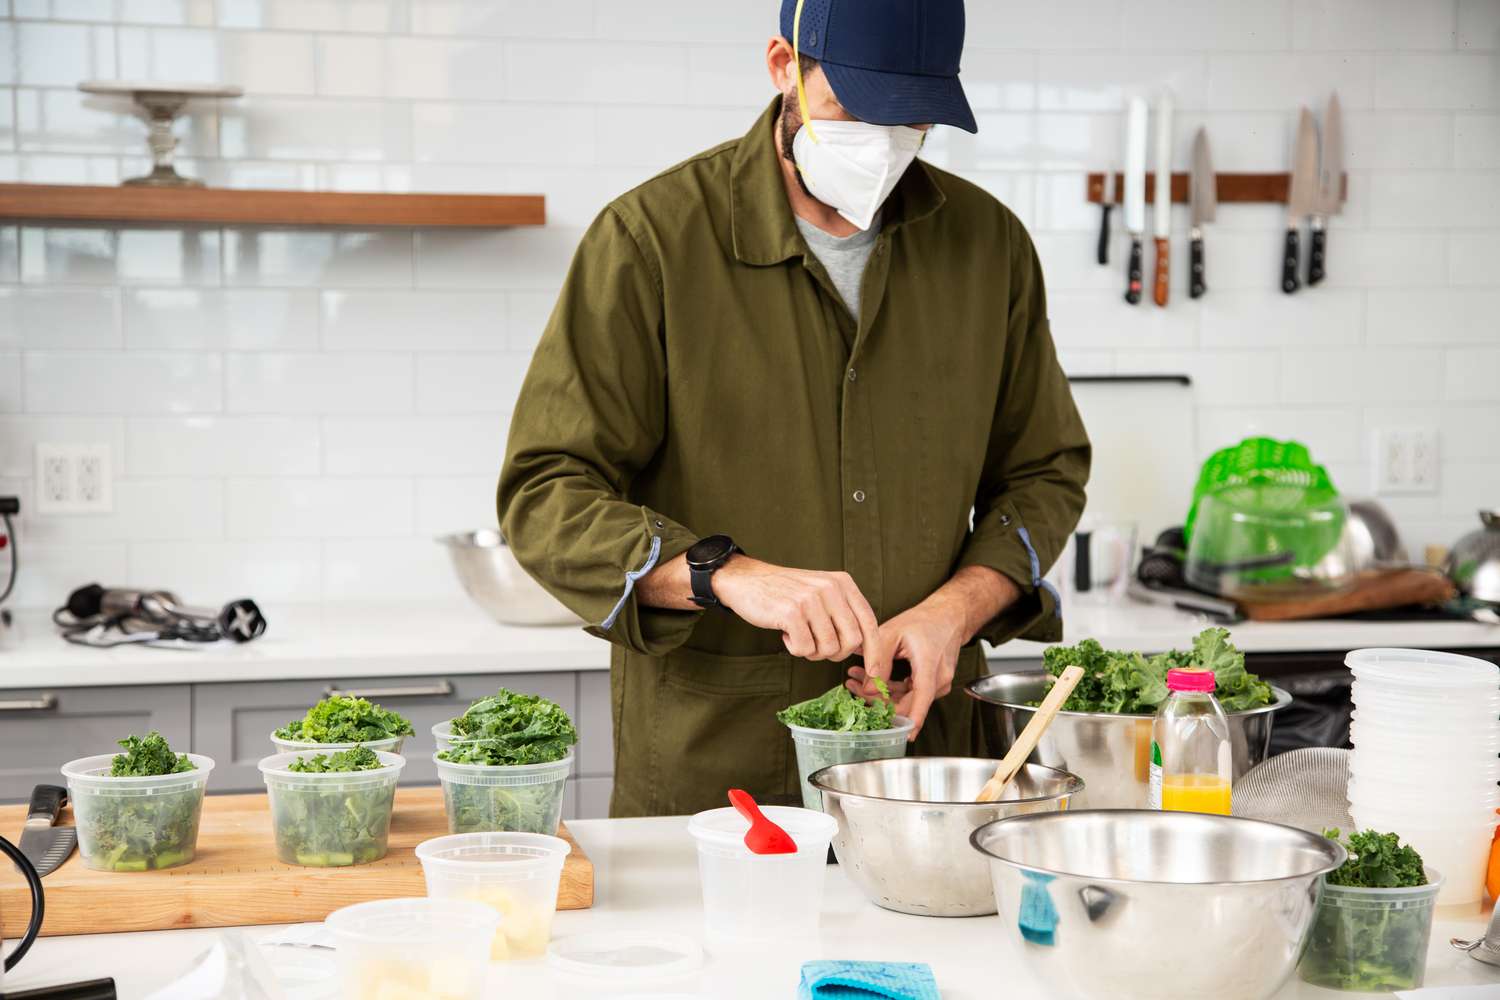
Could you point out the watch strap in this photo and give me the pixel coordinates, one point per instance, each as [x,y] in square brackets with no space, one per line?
[702,583]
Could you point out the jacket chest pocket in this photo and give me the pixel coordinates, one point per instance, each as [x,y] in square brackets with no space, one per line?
[716,729]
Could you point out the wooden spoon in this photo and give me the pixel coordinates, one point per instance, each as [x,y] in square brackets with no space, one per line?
[1031,735]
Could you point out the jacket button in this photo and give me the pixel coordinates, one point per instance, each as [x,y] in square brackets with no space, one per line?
[859,496]
[1005,519]
[852,376]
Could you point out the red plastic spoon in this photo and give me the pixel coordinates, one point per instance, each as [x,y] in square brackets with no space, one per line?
[763,837]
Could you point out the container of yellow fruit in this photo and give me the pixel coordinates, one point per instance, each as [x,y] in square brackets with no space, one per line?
[413,949]
[516,874]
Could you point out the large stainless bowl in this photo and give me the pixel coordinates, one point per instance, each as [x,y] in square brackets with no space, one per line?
[1160,905]
[904,826]
[491,576]
[1111,753]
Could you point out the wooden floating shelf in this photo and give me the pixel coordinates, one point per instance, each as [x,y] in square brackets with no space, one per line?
[236,206]
[1231,187]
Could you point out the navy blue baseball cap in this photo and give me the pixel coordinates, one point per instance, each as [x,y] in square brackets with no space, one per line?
[890,62]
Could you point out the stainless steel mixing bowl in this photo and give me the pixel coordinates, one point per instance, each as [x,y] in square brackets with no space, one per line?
[491,576]
[1111,753]
[904,826]
[1159,905]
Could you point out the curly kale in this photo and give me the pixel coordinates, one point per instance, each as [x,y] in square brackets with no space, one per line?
[333,823]
[1133,684]
[1370,948]
[511,728]
[125,831]
[147,756]
[842,711]
[341,719]
[508,808]
[357,759]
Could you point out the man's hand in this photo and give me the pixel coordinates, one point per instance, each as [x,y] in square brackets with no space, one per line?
[821,616]
[929,637]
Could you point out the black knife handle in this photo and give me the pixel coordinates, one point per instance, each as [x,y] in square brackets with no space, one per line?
[1319,246]
[1196,287]
[1289,282]
[47,800]
[94,989]
[1104,234]
[1133,289]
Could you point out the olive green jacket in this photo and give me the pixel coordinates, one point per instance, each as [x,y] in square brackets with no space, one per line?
[700,374]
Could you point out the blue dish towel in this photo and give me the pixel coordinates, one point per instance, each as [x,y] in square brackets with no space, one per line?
[837,980]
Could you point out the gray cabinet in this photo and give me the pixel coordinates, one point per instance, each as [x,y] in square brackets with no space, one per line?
[232,722]
[43,728]
[596,743]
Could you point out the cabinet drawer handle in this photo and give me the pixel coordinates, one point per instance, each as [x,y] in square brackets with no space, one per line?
[442,689]
[45,703]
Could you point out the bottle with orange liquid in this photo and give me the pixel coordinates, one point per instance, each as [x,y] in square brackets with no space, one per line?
[1190,754]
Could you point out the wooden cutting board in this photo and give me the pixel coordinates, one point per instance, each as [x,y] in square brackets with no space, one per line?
[1375,590]
[236,880]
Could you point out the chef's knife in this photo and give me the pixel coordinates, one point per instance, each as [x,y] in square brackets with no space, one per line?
[1135,192]
[1330,186]
[1301,196]
[45,844]
[1203,194]
[1107,201]
[1163,206]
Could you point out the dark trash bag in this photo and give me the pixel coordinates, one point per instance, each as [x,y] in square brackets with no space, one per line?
[1319,713]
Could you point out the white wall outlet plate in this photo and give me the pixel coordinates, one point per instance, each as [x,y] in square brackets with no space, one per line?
[74,479]
[1405,460]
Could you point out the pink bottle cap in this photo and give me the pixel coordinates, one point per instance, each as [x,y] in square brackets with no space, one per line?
[1190,680]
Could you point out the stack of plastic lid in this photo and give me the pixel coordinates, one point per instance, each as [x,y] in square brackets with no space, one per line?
[1426,735]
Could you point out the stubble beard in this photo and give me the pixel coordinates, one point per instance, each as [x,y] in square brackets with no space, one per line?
[788,124]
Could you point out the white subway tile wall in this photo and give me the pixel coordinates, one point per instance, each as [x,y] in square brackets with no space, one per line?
[294,413]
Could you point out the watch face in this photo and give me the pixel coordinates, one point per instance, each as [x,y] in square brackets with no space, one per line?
[710,551]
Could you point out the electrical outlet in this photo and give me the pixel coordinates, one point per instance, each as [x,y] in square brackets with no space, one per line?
[74,479]
[1406,460]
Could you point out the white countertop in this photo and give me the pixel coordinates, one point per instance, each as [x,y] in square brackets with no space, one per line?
[387,640]
[647,879]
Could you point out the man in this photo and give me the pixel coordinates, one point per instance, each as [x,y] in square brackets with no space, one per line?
[798,401]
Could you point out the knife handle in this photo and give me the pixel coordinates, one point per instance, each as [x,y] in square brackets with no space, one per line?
[1289,282]
[1163,271]
[1133,289]
[1196,286]
[1315,264]
[1104,234]
[47,800]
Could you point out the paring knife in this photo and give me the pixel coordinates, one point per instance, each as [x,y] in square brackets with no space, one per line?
[1203,194]
[1135,192]
[1163,198]
[1107,202]
[45,844]
[1330,186]
[1301,197]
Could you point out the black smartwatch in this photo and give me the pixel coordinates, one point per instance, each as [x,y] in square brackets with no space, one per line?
[702,559]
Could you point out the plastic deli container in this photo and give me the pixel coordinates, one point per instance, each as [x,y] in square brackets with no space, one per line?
[515,798]
[749,897]
[516,874]
[391,744]
[415,949]
[820,748]
[332,819]
[1435,672]
[136,824]
[1371,940]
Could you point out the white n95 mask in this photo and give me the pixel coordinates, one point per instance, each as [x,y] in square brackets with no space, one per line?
[853,166]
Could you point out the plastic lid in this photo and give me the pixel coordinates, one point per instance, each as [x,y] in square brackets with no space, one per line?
[726,827]
[631,957]
[1423,667]
[1190,680]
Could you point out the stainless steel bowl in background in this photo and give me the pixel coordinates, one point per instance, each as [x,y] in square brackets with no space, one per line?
[904,826]
[1159,905]
[1111,753]
[491,576]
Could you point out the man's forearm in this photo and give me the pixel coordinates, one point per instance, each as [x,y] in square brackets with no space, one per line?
[975,595]
[667,586]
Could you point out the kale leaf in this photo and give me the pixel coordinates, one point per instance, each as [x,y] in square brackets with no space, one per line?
[122,830]
[147,756]
[341,719]
[357,759]
[511,728]
[1371,947]
[510,808]
[1129,683]
[842,711]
